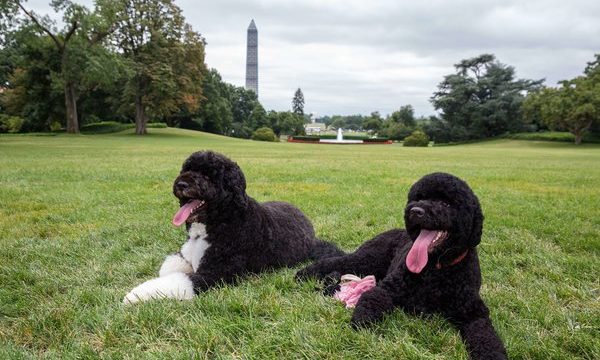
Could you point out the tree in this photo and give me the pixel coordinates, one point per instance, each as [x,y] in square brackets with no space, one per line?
[30,61]
[482,99]
[286,122]
[165,57]
[243,101]
[399,124]
[82,30]
[298,103]
[258,118]
[405,116]
[215,114]
[373,122]
[573,106]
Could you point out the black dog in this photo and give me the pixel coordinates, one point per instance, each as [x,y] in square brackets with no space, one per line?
[230,234]
[431,267]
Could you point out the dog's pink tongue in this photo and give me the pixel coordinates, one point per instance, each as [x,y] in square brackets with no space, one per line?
[417,256]
[184,212]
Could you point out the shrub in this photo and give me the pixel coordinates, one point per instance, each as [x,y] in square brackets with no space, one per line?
[10,124]
[417,138]
[376,140]
[396,131]
[158,125]
[553,136]
[305,138]
[55,126]
[264,134]
[105,127]
[346,137]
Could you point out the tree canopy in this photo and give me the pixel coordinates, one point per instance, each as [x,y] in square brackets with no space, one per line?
[75,45]
[165,58]
[298,102]
[482,99]
[573,106]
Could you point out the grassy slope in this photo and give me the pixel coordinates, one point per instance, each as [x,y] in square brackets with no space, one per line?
[84,219]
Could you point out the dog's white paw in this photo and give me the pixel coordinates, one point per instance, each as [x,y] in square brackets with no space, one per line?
[175,263]
[176,286]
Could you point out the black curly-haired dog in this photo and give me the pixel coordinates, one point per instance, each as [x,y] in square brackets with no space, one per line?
[229,233]
[431,267]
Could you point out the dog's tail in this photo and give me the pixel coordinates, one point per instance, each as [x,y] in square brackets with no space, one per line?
[324,249]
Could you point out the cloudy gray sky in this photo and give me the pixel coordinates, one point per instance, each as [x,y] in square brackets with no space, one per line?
[357,56]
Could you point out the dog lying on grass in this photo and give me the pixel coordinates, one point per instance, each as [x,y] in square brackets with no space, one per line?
[431,267]
[229,233]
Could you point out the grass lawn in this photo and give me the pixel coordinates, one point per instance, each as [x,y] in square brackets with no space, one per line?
[83,219]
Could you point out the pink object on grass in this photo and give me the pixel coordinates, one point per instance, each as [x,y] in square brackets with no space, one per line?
[352,287]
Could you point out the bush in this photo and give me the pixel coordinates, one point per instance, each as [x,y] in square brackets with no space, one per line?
[553,136]
[305,138]
[10,124]
[158,125]
[376,140]
[264,134]
[417,138]
[241,131]
[105,127]
[55,126]
[396,131]
[346,137]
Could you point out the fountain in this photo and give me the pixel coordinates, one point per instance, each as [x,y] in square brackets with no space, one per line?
[340,139]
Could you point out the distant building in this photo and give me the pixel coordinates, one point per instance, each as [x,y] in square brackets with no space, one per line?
[252,58]
[314,128]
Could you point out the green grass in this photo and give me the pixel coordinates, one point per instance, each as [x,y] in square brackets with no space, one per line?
[83,219]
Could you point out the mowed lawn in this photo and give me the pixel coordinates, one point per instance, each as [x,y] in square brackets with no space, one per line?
[83,219]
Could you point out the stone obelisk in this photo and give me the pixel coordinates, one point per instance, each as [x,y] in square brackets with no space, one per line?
[252,58]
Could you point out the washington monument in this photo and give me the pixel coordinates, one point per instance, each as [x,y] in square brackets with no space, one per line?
[252,58]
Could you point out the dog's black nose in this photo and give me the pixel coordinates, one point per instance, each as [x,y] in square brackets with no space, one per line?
[181,185]
[417,211]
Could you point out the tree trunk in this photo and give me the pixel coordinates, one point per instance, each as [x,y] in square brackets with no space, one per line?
[71,107]
[581,131]
[140,116]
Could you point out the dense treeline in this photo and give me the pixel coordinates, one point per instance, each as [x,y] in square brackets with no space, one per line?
[483,99]
[138,61]
[130,61]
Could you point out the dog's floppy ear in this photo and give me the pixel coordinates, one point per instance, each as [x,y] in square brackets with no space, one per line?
[235,182]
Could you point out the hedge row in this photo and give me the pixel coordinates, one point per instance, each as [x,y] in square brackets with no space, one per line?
[328,137]
[554,136]
[106,127]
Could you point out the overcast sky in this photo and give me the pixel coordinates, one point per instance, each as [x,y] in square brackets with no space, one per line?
[357,56]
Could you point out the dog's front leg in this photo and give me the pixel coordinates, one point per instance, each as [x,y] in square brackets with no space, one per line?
[371,307]
[477,332]
[175,285]
[382,299]
[175,263]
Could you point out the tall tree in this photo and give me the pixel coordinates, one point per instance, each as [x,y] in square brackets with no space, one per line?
[405,116]
[82,30]
[482,99]
[373,122]
[166,58]
[298,102]
[214,114]
[573,106]
[29,62]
